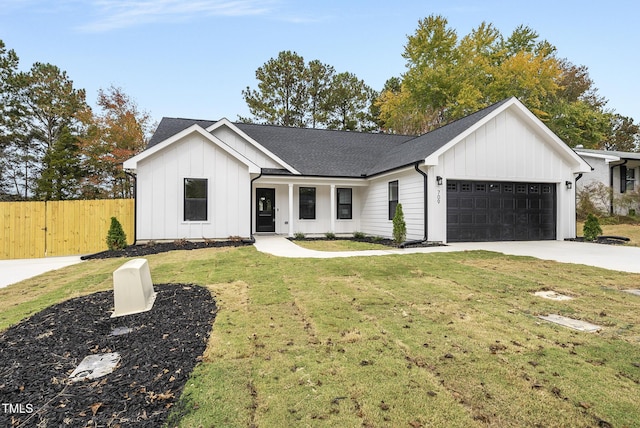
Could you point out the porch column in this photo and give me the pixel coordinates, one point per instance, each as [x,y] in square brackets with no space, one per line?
[333,208]
[290,210]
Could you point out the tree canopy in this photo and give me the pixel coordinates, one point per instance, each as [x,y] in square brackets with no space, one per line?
[449,77]
[294,93]
[52,146]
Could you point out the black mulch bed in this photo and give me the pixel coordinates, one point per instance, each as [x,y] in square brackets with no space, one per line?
[607,240]
[38,355]
[155,248]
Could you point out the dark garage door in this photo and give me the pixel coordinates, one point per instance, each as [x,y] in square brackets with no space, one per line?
[495,211]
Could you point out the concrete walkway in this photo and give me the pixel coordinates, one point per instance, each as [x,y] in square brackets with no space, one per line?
[12,271]
[613,257]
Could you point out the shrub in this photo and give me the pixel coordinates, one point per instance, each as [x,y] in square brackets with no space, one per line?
[591,228]
[399,226]
[298,235]
[359,235]
[116,238]
[330,235]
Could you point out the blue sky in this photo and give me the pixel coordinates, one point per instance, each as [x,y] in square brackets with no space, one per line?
[193,58]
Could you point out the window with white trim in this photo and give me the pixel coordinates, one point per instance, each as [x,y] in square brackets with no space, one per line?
[393,198]
[307,205]
[630,179]
[345,205]
[195,199]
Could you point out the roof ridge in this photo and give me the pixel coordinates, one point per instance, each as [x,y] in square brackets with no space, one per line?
[322,129]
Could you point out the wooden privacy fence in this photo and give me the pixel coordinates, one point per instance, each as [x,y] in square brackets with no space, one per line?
[61,228]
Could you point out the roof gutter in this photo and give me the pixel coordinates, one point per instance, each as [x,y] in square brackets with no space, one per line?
[425,208]
[135,204]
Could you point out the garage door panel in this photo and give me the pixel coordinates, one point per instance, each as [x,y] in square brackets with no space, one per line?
[489,211]
[466,203]
[481,203]
[466,219]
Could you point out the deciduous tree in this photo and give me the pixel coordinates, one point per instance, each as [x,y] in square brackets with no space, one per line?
[119,131]
[448,78]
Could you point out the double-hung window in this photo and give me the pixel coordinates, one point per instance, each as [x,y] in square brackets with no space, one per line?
[393,198]
[307,206]
[630,179]
[195,199]
[345,210]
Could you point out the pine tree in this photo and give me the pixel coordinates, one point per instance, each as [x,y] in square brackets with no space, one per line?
[591,228]
[116,238]
[399,226]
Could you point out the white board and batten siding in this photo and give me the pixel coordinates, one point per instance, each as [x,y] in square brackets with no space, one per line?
[160,192]
[243,147]
[507,149]
[375,204]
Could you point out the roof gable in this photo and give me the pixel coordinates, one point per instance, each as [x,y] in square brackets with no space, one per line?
[513,105]
[235,129]
[132,164]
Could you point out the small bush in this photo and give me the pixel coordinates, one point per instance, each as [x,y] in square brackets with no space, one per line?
[116,238]
[180,242]
[359,235]
[298,235]
[591,229]
[330,235]
[399,226]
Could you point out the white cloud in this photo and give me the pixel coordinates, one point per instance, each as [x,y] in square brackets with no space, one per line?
[115,14]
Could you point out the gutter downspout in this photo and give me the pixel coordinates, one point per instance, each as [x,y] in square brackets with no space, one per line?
[135,205]
[251,238]
[425,208]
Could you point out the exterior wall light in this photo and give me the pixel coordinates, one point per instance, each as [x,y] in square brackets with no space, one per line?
[439,180]
[568,184]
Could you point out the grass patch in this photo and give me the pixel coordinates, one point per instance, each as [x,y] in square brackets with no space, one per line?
[339,245]
[442,339]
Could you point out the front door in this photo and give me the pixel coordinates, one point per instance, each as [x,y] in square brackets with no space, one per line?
[265,210]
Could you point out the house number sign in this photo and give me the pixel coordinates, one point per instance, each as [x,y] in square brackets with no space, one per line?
[438,197]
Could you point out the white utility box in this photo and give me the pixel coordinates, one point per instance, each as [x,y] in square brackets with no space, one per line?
[132,288]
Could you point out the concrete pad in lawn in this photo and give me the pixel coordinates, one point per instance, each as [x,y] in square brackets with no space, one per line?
[571,323]
[552,295]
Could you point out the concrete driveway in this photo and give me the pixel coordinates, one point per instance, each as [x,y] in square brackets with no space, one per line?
[12,271]
[613,257]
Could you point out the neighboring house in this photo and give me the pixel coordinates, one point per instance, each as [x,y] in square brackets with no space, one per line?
[618,173]
[498,174]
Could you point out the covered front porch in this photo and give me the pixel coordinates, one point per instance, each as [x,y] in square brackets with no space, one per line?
[307,205]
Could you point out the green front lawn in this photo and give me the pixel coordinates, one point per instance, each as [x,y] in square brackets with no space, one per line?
[446,339]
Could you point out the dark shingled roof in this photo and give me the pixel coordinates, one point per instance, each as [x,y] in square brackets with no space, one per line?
[329,153]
